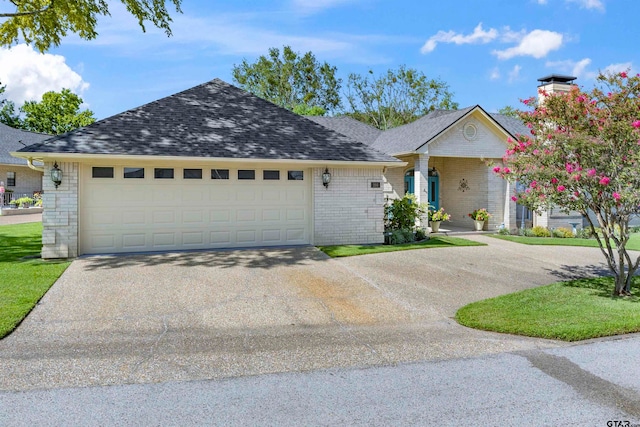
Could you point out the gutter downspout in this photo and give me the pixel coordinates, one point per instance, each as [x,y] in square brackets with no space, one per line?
[35,168]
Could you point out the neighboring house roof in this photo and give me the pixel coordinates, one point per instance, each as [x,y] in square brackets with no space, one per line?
[350,127]
[13,140]
[212,120]
[410,137]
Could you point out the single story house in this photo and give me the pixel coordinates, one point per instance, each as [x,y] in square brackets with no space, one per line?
[210,167]
[217,167]
[16,176]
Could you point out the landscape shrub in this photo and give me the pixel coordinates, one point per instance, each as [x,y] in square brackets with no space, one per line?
[563,232]
[540,231]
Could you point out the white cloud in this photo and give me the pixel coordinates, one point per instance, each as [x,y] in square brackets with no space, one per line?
[578,69]
[542,1]
[617,68]
[538,43]
[28,74]
[589,4]
[514,74]
[479,36]
[494,74]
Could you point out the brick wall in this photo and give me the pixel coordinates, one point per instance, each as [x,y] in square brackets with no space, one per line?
[349,211]
[60,215]
[27,179]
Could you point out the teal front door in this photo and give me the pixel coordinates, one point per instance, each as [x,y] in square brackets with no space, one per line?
[434,192]
[408,183]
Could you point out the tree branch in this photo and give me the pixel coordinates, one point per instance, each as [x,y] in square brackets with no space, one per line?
[31,13]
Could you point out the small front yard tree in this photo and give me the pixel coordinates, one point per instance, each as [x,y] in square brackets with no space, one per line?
[583,154]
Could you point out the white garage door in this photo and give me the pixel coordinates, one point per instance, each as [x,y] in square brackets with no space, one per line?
[139,209]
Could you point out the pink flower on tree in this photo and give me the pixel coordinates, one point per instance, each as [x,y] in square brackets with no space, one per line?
[616,195]
[591,172]
[496,169]
[605,180]
[533,184]
[514,198]
[623,74]
[554,180]
[636,124]
[561,188]
[506,170]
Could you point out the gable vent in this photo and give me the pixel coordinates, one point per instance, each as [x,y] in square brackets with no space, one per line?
[470,131]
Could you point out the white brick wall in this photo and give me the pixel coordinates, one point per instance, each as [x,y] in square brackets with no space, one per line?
[60,215]
[27,179]
[349,211]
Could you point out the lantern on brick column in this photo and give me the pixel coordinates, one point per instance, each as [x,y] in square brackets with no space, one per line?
[56,174]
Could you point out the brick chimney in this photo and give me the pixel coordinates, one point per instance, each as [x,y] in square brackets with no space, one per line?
[555,83]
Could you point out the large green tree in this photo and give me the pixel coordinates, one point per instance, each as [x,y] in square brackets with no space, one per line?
[583,154]
[56,113]
[8,114]
[45,22]
[395,98]
[291,80]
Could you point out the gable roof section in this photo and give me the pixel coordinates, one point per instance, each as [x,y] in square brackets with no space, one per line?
[212,120]
[10,141]
[350,127]
[410,137]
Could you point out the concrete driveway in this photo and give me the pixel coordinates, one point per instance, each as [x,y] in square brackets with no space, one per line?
[201,315]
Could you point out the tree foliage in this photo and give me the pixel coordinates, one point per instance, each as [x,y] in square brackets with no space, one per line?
[8,114]
[396,98]
[508,110]
[290,80]
[45,22]
[56,113]
[583,154]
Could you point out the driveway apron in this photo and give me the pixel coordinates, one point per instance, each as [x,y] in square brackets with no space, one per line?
[202,315]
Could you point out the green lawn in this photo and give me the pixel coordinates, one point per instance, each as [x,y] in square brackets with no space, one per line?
[569,311]
[434,242]
[24,278]
[633,244]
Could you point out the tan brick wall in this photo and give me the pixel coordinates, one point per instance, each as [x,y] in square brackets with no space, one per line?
[27,179]
[60,215]
[349,211]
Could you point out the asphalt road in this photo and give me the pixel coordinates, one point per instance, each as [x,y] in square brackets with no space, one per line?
[584,385]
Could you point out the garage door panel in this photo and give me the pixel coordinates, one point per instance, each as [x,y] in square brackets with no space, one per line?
[163,217]
[126,215]
[220,215]
[191,217]
[245,215]
[162,240]
[133,242]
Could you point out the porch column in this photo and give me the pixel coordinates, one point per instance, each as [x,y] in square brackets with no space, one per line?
[421,178]
[507,206]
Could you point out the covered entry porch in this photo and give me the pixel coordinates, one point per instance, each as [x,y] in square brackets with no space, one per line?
[459,185]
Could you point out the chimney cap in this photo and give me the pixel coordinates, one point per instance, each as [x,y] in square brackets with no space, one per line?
[556,78]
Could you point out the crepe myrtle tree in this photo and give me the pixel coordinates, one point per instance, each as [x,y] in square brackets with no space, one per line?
[583,154]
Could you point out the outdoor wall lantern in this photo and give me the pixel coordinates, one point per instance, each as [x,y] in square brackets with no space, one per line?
[326,178]
[56,174]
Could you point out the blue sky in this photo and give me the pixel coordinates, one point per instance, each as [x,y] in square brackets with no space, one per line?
[490,52]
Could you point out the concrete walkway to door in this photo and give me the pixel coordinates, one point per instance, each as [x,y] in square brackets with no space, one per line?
[202,315]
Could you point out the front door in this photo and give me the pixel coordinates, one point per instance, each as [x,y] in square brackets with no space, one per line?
[408,182]
[434,192]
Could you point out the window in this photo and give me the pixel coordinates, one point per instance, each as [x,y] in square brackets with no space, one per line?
[192,173]
[295,175]
[270,175]
[163,173]
[246,174]
[219,173]
[11,179]
[102,172]
[134,172]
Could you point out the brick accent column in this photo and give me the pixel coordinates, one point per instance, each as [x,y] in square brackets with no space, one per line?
[60,212]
